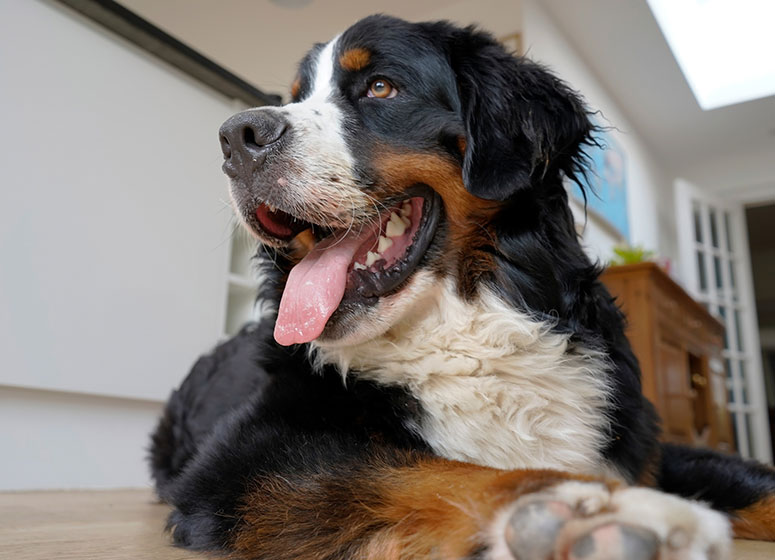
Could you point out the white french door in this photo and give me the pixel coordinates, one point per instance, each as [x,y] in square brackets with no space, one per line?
[716,270]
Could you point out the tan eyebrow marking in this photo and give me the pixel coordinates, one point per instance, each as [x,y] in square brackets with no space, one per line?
[355,59]
[295,88]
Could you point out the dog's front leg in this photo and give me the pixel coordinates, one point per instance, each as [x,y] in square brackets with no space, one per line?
[426,507]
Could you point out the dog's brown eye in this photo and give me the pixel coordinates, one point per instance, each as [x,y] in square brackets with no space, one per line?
[381,89]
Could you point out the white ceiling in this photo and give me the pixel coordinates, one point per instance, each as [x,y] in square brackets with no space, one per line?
[618,39]
[260,41]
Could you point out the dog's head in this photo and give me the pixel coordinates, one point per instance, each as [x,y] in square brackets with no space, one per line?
[402,158]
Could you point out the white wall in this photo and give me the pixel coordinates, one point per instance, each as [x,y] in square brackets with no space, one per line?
[753,168]
[113,243]
[112,227]
[499,17]
[52,439]
[649,191]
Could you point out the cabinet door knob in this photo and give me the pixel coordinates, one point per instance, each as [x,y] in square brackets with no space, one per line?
[699,380]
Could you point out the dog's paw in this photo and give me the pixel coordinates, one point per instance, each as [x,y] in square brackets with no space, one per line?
[587,521]
[195,531]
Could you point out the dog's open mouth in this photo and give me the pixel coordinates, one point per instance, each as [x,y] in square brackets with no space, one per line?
[279,224]
[358,264]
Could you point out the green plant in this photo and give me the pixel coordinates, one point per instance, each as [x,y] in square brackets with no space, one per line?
[626,254]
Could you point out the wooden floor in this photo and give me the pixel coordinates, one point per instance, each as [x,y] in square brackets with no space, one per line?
[124,525]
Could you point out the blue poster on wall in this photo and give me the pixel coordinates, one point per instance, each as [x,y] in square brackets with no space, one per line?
[606,185]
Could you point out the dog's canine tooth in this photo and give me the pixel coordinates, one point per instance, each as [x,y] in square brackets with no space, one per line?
[384,244]
[406,209]
[371,258]
[359,266]
[396,226]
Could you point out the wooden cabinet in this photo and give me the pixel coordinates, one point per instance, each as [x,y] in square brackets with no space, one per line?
[678,344]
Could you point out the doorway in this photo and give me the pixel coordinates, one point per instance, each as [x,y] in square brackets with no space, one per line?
[716,268]
[760,220]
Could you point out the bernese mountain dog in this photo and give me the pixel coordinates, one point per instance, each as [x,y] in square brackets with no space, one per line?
[442,375]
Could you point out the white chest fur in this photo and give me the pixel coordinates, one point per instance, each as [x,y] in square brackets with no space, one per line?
[498,388]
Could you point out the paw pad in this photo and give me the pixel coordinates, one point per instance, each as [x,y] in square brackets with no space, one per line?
[578,521]
[614,542]
[532,529]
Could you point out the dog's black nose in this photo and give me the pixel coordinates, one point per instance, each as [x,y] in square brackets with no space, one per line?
[246,137]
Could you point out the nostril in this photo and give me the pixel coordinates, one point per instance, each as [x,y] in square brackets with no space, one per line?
[246,137]
[249,138]
[261,136]
[225,147]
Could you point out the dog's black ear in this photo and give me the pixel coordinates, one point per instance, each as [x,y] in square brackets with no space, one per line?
[523,124]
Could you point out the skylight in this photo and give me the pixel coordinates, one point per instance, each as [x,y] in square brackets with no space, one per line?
[725,48]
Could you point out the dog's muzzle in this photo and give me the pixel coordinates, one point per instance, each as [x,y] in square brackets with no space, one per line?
[246,138]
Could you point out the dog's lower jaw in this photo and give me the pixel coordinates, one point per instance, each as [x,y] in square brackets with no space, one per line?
[497,388]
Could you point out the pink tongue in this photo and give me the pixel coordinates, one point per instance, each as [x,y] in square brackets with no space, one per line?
[314,290]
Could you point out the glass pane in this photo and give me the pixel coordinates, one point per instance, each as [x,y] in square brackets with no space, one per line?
[743,382]
[732,281]
[697,225]
[738,331]
[717,273]
[749,434]
[722,311]
[728,231]
[701,271]
[713,228]
[733,417]
[730,393]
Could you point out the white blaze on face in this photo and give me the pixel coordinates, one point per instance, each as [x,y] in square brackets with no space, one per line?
[320,152]
[324,71]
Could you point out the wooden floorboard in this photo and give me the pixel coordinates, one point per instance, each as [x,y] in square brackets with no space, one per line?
[125,525]
[111,525]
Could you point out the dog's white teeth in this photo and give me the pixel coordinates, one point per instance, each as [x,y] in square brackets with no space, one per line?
[406,209]
[396,226]
[271,208]
[384,244]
